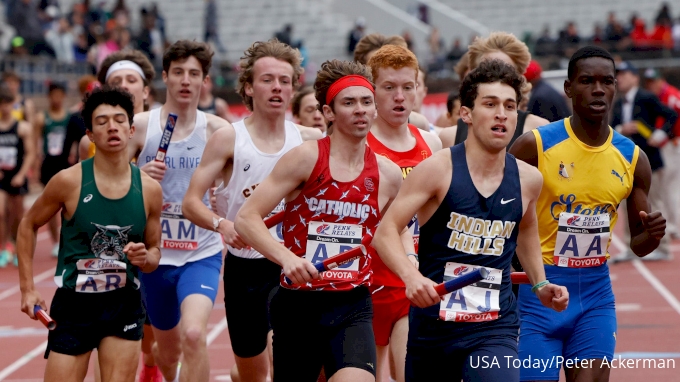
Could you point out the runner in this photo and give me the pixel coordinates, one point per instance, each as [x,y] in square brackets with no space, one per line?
[571,153]
[111,232]
[305,110]
[17,153]
[58,142]
[180,294]
[22,109]
[508,48]
[395,71]
[210,104]
[241,157]
[338,180]
[476,203]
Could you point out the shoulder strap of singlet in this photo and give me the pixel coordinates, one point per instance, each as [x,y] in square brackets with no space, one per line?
[461,132]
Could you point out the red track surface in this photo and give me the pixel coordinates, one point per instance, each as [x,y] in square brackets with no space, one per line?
[647,322]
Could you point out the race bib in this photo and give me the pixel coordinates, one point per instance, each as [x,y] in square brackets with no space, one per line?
[55,143]
[277,230]
[474,303]
[581,240]
[176,231]
[325,240]
[99,275]
[414,229]
[8,158]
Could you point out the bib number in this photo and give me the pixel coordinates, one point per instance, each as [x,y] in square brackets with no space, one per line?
[474,303]
[8,158]
[326,240]
[176,231]
[582,240]
[55,143]
[99,275]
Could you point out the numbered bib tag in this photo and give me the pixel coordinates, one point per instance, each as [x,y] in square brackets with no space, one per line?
[581,240]
[100,275]
[325,240]
[474,303]
[55,143]
[8,158]
[277,230]
[176,231]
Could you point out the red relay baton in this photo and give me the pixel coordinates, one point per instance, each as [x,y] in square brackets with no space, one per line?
[44,317]
[462,281]
[519,278]
[335,261]
[274,219]
[165,138]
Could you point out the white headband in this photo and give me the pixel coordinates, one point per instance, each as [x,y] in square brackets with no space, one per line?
[124,64]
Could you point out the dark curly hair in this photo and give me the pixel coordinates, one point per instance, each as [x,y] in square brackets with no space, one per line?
[490,71]
[107,95]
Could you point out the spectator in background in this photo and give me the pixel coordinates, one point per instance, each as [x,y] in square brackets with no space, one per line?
[664,15]
[80,48]
[598,37]
[211,30]
[285,35]
[106,44]
[28,26]
[150,40]
[545,101]
[611,24]
[356,34]
[160,24]
[569,39]
[62,41]
[409,40]
[675,33]
[457,51]
[545,45]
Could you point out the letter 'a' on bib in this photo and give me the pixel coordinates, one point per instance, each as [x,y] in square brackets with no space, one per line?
[474,303]
[327,240]
[582,240]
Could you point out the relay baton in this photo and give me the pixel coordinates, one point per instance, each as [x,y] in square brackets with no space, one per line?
[335,261]
[44,317]
[462,281]
[519,278]
[274,219]
[165,138]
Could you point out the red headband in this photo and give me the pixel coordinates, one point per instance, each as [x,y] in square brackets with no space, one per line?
[344,83]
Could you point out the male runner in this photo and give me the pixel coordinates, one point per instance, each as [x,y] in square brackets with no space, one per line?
[570,154]
[180,294]
[335,190]
[305,110]
[476,204]
[395,71]
[111,231]
[210,104]
[17,153]
[23,109]
[58,141]
[241,157]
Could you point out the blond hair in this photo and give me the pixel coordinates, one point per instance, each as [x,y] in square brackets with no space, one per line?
[500,42]
[375,41]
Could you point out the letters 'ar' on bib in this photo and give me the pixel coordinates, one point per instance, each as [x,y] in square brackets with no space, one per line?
[478,302]
[582,240]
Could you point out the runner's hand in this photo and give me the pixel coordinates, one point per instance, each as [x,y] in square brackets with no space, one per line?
[553,296]
[654,223]
[420,291]
[213,199]
[18,180]
[155,170]
[298,270]
[136,253]
[30,300]
[229,235]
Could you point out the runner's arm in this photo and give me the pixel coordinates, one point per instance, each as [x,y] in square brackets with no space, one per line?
[645,232]
[153,197]
[525,149]
[43,209]
[84,147]
[528,242]
[309,133]
[448,136]
[25,131]
[432,141]
[289,174]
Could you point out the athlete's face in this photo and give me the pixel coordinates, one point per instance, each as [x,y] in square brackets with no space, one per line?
[592,89]
[395,94]
[184,79]
[133,83]
[421,91]
[310,115]
[6,108]
[354,112]
[111,128]
[493,118]
[272,87]
[13,85]
[56,98]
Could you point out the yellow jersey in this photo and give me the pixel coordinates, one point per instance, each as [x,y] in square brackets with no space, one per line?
[582,189]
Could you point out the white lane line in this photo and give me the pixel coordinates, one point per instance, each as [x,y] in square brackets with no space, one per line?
[216,330]
[26,358]
[649,276]
[39,278]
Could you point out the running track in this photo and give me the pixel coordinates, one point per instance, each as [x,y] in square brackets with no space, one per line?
[647,297]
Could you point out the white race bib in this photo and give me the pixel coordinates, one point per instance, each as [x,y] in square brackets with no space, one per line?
[8,158]
[474,303]
[176,231]
[325,240]
[55,142]
[99,275]
[581,240]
